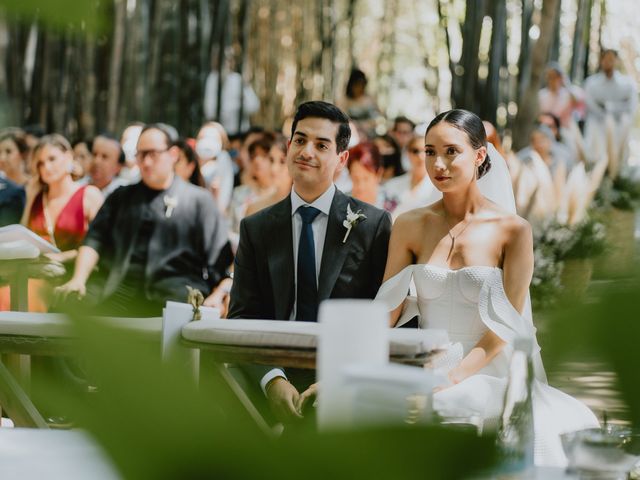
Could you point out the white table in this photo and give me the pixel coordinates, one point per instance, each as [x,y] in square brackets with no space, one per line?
[29,453]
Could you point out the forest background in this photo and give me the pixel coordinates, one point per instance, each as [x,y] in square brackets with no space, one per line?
[83,67]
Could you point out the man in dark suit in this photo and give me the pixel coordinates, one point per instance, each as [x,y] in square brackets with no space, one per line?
[299,252]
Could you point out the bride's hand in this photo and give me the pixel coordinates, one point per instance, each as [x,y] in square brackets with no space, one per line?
[454,378]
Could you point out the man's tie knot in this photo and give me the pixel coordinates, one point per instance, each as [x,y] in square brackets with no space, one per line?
[308,214]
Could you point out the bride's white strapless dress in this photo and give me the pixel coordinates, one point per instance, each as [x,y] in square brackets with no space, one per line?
[467,303]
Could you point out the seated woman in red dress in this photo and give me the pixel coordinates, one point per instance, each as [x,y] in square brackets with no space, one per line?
[57,209]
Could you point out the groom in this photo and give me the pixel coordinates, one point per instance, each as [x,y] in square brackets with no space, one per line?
[298,252]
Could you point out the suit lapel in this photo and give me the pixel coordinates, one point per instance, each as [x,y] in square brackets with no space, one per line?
[334,252]
[280,258]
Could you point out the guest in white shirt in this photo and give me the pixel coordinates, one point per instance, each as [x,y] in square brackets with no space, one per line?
[612,99]
[216,165]
[238,101]
[413,189]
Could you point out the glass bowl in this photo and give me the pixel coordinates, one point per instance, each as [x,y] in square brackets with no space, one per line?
[610,452]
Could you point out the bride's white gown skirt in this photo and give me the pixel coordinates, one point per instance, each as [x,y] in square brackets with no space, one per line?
[467,303]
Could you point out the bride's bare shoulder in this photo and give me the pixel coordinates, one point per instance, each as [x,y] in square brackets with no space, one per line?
[514,226]
[414,220]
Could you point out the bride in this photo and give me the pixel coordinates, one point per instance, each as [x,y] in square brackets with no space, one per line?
[471,260]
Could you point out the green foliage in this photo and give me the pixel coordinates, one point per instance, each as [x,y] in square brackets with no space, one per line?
[85,14]
[545,283]
[155,423]
[622,193]
[606,328]
[555,243]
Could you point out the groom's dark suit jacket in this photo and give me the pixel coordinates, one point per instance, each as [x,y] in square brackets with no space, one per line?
[263,284]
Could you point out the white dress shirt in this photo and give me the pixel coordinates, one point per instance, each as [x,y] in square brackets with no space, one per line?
[116,183]
[218,174]
[405,196]
[614,98]
[319,227]
[232,85]
[616,95]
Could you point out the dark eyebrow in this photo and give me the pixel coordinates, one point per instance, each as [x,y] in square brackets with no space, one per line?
[448,145]
[319,139]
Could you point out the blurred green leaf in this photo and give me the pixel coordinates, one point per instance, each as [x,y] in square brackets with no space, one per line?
[155,423]
[86,14]
[607,328]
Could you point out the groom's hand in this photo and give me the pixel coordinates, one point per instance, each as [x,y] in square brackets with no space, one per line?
[283,398]
[306,396]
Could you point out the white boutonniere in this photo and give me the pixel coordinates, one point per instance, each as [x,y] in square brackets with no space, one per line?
[353,218]
[169,203]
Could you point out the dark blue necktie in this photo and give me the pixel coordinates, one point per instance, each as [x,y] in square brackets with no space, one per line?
[307,290]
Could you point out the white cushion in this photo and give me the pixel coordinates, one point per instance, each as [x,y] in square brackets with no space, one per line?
[56,325]
[34,324]
[303,335]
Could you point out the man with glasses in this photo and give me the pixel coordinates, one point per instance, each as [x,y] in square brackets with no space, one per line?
[152,239]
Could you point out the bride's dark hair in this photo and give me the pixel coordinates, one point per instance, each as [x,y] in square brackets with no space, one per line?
[470,124]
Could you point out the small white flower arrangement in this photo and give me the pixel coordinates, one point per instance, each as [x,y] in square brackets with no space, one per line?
[353,218]
[169,203]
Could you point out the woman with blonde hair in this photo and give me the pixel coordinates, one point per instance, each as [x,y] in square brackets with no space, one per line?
[57,208]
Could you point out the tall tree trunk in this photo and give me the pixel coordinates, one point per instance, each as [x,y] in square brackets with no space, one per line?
[453,66]
[351,10]
[65,101]
[37,112]
[577,57]
[87,91]
[115,68]
[222,21]
[584,71]
[155,55]
[497,61]
[14,67]
[243,24]
[529,104]
[467,77]
[524,60]
[603,17]
[554,54]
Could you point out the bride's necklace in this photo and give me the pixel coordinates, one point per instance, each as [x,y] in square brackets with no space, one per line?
[452,236]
